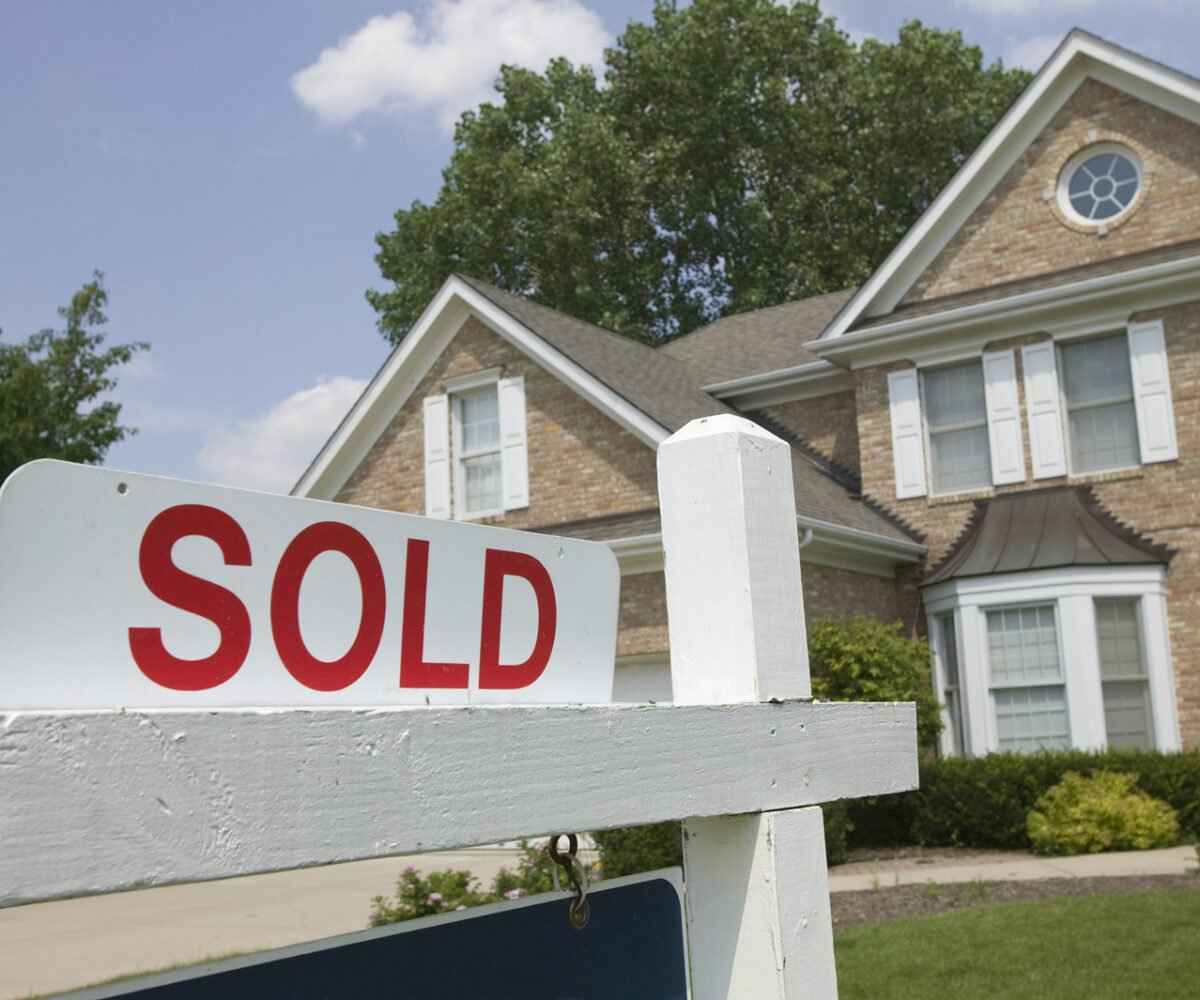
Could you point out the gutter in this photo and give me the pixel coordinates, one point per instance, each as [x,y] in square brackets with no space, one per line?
[1060,296]
[645,551]
[771,380]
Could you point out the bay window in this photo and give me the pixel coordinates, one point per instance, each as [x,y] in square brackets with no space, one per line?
[1124,679]
[1028,689]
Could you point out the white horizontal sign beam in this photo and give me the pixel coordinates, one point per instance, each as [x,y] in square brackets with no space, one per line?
[184,796]
[130,591]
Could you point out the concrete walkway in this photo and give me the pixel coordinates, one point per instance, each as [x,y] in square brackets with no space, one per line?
[47,947]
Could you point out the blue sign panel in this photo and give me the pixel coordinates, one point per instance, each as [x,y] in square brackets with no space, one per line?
[632,948]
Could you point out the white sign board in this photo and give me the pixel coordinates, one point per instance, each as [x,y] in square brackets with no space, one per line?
[122,590]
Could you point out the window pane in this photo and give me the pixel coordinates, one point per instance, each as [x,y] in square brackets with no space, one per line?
[1104,437]
[1023,646]
[949,649]
[952,694]
[954,396]
[1120,638]
[960,459]
[1032,719]
[1127,717]
[1097,369]
[482,482]
[480,420]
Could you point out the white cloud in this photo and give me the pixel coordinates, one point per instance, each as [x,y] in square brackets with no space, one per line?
[270,452]
[444,59]
[1043,8]
[1032,52]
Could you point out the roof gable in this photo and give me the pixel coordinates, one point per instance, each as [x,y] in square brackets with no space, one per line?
[1080,57]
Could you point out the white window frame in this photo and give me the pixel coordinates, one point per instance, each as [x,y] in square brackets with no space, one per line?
[1078,160]
[1065,408]
[993,685]
[941,683]
[926,437]
[1072,591]
[456,389]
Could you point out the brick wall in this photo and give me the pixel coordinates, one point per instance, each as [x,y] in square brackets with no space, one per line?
[829,592]
[828,423]
[581,464]
[1160,500]
[1018,230]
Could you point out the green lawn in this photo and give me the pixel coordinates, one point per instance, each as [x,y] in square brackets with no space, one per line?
[1093,947]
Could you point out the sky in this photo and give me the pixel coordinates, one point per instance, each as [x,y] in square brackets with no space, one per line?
[228,164]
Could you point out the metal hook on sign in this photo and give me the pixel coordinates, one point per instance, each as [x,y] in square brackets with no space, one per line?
[580,910]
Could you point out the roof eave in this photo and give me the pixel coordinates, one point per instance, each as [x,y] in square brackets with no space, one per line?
[1092,294]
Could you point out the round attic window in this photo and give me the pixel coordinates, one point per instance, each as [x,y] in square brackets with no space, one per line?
[1100,185]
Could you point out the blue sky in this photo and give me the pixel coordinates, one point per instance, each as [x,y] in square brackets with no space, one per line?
[228,164]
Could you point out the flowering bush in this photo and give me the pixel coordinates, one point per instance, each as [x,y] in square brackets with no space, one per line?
[445,891]
[1104,812]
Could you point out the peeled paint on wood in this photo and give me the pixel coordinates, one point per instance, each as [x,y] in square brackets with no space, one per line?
[100,801]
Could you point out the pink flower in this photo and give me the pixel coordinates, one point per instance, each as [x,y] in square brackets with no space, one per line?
[433,897]
[514,894]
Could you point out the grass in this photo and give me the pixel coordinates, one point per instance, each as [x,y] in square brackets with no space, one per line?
[1142,945]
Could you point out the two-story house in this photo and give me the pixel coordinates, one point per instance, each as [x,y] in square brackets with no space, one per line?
[996,439]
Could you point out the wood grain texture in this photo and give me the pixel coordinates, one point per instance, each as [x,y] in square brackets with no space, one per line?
[759,920]
[100,801]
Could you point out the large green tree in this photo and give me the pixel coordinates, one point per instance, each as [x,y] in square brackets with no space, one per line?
[738,153]
[50,385]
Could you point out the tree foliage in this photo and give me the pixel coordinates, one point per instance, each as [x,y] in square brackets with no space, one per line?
[50,384]
[738,154]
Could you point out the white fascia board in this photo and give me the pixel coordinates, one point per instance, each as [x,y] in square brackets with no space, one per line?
[1045,584]
[1113,294]
[1079,56]
[395,382]
[859,551]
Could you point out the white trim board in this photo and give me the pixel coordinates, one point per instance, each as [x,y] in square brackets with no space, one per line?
[1063,311]
[395,382]
[1079,56]
[203,795]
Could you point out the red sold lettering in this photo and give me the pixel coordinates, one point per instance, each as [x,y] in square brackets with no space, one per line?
[415,671]
[190,593]
[494,675]
[327,675]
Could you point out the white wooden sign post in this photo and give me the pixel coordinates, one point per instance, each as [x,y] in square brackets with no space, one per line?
[100,799]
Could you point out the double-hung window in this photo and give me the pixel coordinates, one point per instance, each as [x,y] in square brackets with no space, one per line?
[476,443]
[476,455]
[1028,687]
[956,422]
[1098,393]
[1123,675]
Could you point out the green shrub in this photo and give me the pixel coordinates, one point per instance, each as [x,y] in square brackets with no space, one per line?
[984,801]
[838,827]
[632,849]
[865,659]
[1104,812]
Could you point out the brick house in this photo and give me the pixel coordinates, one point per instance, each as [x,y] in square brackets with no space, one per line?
[996,439]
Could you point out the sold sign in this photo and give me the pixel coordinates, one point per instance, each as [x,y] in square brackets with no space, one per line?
[120,590]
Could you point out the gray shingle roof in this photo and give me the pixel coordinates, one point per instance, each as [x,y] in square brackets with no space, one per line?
[1044,529]
[667,389]
[761,340]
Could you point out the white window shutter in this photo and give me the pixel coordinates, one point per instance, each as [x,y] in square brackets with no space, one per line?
[1043,403]
[514,449]
[908,450]
[1152,392]
[437,456]
[1003,417]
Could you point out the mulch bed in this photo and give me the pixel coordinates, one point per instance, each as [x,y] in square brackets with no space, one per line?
[926,900]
